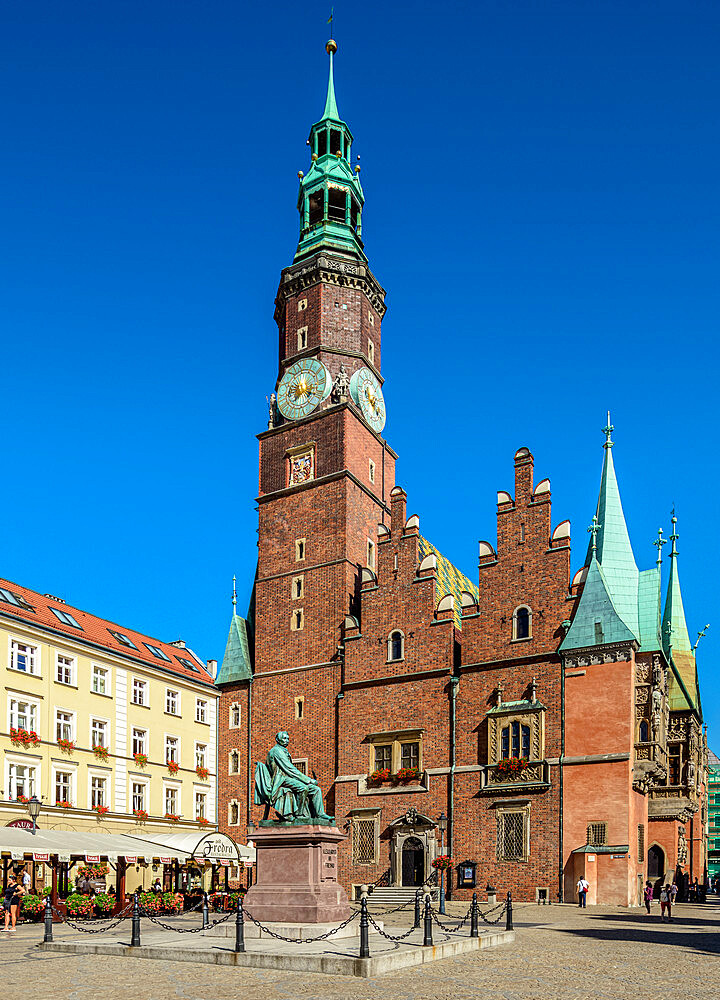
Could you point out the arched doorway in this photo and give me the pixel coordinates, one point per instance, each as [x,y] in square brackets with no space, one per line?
[656,867]
[413,862]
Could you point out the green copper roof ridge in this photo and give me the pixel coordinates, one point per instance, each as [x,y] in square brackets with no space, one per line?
[331,109]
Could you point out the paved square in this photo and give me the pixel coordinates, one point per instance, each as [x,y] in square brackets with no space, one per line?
[561,953]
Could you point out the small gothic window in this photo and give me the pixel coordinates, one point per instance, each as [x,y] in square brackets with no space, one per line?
[396,646]
[299,708]
[234,716]
[644,732]
[315,207]
[297,621]
[521,620]
[233,814]
[234,762]
[515,741]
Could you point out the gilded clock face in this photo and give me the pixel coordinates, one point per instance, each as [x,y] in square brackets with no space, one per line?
[302,387]
[366,393]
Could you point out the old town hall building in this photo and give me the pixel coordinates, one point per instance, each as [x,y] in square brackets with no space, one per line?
[555,720]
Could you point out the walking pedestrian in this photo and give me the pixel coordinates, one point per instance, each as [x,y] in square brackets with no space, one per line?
[648,895]
[673,892]
[11,902]
[665,903]
[582,890]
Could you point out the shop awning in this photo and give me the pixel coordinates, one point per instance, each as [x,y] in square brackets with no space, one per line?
[212,846]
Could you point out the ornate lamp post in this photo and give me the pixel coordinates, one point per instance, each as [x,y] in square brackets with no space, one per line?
[33,808]
[442,826]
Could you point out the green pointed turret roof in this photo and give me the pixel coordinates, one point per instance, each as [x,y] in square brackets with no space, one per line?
[596,620]
[614,551]
[237,664]
[685,687]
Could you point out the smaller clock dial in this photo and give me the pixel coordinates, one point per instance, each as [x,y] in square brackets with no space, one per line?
[302,388]
[366,393]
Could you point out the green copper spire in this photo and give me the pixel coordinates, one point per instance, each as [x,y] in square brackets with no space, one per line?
[612,543]
[674,628]
[237,664]
[330,199]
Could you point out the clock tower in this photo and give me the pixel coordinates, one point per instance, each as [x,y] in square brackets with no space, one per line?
[326,472]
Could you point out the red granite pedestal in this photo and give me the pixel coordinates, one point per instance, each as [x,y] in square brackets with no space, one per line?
[297,875]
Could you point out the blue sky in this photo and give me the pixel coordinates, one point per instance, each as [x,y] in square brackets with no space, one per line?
[542,206]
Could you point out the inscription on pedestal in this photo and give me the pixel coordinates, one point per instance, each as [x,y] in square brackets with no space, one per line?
[329,867]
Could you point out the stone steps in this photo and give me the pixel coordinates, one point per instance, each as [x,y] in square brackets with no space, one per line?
[396,895]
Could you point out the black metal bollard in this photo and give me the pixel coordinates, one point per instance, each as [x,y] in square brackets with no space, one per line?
[205,912]
[418,897]
[48,921]
[364,929]
[427,931]
[239,925]
[474,916]
[135,937]
[508,913]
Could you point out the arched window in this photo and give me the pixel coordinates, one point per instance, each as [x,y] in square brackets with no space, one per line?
[644,732]
[515,741]
[522,621]
[396,645]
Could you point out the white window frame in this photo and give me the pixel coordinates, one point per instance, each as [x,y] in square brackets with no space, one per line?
[169,786]
[176,750]
[201,709]
[12,761]
[145,739]
[200,793]
[390,657]
[26,700]
[145,785]
[142,686]
[72,666]
[72,724]
[231,724]
[70,769]
[107,693]
[106,723]
[104,776]
[515,636]
[35,655]
[204,754]
[175,694]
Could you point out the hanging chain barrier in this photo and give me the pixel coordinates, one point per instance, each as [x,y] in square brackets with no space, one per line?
[390,937]
[114,921]
[395,909]
[299,940]
[484,916]
[186,930]
[446,927]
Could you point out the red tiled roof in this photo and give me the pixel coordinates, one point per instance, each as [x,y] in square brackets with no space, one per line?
[97,631]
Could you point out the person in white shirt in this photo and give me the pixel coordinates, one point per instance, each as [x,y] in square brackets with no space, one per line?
[582,890]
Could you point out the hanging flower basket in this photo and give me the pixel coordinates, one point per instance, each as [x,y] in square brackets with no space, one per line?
[377,777]
[172,766]
[93,871]
[67,745]
[101,810]
[140,815]
[140,759]
[408,774]
[202,772]
[510,767]
[101,752]
[172,817]
[443,862]
[24,737]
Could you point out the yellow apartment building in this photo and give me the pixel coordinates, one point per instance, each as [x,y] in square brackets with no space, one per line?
[114,731]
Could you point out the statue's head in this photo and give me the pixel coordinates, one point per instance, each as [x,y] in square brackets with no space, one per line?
[283,739]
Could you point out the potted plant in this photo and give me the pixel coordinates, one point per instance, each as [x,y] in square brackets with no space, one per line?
[443,862]
[104,903]
[67,746]
[64,804]
[172,902]
[101,810]
[172,817]
[24,737]
[32,906]
[203,821]
[202,772]
[377,777]
[510,767]
[79,905]
[150,902]
[140,815]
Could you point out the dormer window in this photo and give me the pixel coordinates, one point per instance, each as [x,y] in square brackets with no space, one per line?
[522,622]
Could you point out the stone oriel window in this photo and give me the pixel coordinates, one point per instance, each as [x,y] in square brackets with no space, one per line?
[513,833]
[301,465]
[516,729]
[522,622]
[597,834]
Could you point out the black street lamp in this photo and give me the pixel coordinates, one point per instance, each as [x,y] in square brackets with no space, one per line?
[33,808]
[442,822]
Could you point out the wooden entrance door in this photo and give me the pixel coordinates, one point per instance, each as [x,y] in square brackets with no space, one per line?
[413,862]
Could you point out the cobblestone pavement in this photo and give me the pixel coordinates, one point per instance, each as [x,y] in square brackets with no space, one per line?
[561,953]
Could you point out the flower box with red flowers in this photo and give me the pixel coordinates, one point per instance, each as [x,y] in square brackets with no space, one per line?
[202,773]
[202,821]
[443,862]
[64,804]
[93,871]
[101,810]
[408,774]
[510,767]
[67,745]
[377,777]
[140,759]
[140,814]
[101,752]
[24,737]
[23,798]
[173,817]
[172,766]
